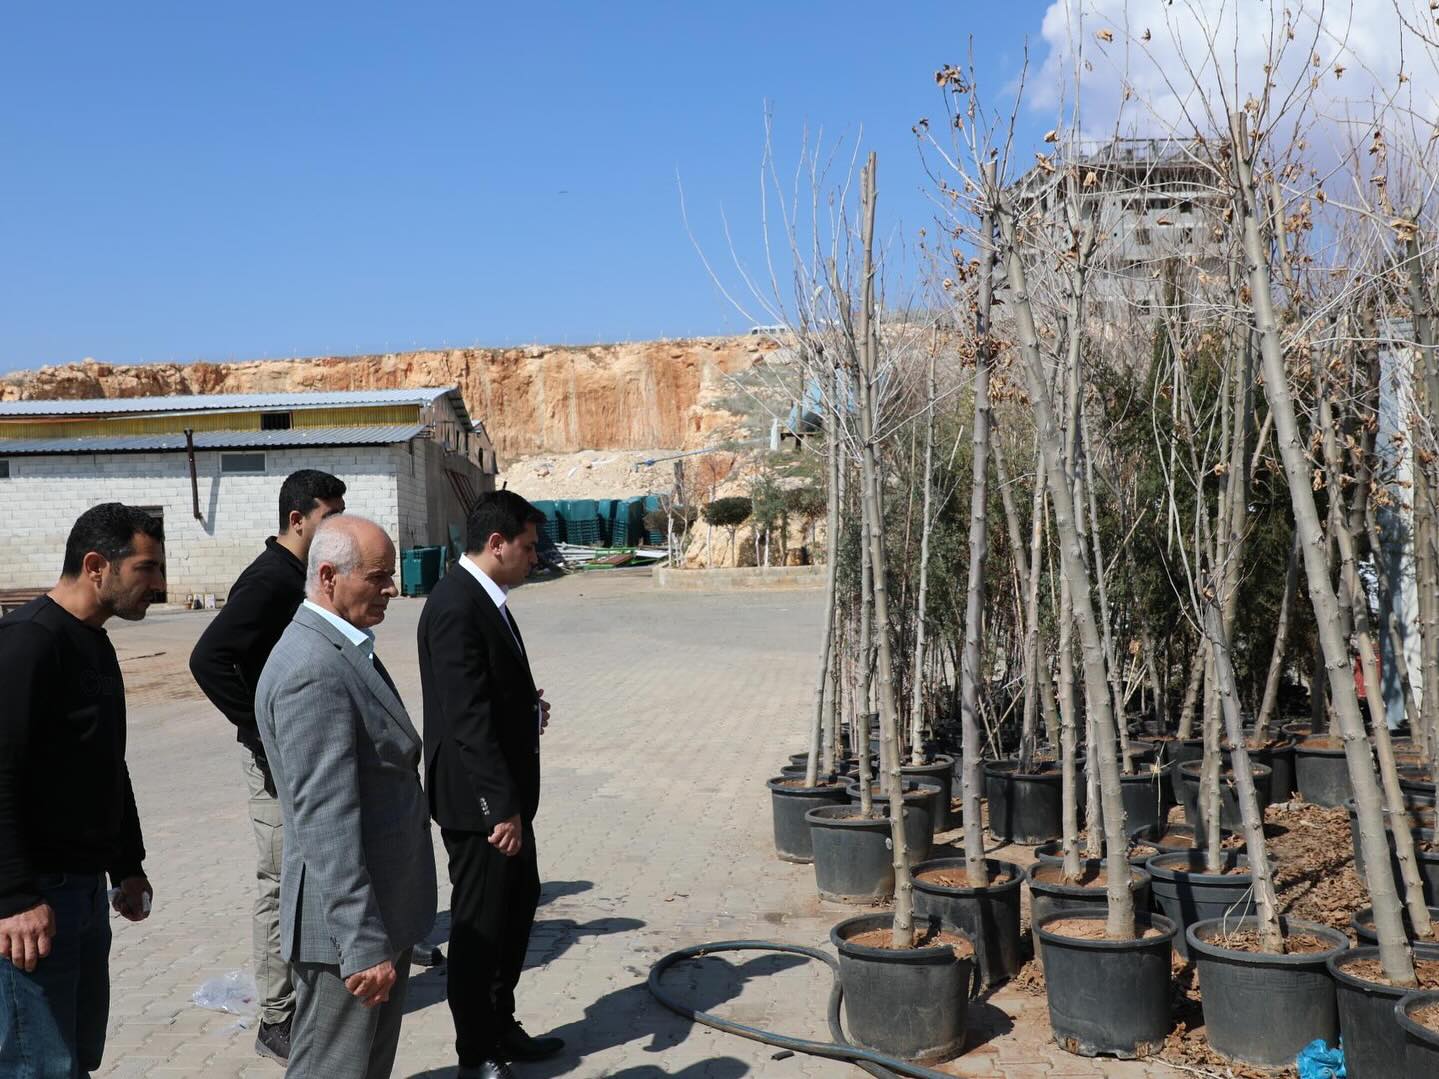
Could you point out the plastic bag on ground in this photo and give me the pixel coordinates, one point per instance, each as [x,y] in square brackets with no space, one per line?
[1317,1061]
[234,993]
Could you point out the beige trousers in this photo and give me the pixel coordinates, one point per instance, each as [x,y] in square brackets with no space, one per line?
[272,972]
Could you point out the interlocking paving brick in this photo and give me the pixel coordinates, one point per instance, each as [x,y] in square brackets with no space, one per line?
[670,712]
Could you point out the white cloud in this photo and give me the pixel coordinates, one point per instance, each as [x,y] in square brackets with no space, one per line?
[1203,57]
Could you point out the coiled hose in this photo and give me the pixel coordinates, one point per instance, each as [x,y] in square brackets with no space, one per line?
[876,1064]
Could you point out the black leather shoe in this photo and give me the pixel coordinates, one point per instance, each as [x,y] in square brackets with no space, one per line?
[489,1069]
[273,1040]
[515,1044]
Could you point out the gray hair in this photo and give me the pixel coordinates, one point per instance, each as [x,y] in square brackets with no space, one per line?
[336,544]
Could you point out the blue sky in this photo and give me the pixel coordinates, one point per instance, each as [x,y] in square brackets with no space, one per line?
[198,181]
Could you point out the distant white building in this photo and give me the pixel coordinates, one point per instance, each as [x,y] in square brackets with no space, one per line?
[211,467]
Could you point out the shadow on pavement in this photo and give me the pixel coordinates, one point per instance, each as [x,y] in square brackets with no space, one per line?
[631,1014]
[549,939]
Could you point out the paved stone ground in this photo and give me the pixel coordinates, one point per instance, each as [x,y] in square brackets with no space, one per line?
[654,833]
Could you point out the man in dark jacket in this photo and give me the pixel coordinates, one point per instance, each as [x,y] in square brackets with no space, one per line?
[226,663]
[67,809]
[483,720]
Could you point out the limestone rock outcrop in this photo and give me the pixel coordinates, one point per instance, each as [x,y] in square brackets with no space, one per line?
[535,399]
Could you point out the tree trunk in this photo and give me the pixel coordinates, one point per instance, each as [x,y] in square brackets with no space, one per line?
[1120,920]
[916,717]
[1281,641]
[1388,922]
[976,872]
[903,923]
[831,576]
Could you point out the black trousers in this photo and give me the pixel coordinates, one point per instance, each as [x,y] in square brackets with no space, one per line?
[492,907]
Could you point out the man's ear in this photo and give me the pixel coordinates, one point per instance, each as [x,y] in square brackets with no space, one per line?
[297,519]
[93,565]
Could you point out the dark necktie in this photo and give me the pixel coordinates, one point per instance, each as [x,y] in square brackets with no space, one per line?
[385,675]
[515,630]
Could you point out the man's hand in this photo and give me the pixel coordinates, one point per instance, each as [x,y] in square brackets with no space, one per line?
[132,899]
[506,837]
[25,937]
[373,986]
[544,711]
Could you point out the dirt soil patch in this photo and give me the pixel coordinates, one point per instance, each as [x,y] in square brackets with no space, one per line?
[1247,940]
[1427,1016]
[947,878]
[923,938]
[1091,876]
[1426,970]
[1092,929]
[799,784]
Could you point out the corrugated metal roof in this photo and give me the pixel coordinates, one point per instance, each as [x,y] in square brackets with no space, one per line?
[215,440]
[210,402]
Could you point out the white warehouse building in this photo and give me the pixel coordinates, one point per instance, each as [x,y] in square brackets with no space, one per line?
[211,467]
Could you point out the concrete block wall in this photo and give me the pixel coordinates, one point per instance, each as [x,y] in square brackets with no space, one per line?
[411,485]
[44,495]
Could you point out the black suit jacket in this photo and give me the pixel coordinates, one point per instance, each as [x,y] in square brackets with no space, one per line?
[482,738]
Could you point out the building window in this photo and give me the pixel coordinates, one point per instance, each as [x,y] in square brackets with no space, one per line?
[242,462]
[275,421]
[1186,207]
[1186,237]
[4,469]
[1141,235]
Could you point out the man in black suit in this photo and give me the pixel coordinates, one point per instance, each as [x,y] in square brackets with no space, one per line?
[483,721]
[226,663]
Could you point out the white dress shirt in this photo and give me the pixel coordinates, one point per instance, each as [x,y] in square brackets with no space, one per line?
[499,593]
[362,639]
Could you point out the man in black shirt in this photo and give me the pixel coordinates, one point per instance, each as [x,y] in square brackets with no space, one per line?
[226,663]
[67,810]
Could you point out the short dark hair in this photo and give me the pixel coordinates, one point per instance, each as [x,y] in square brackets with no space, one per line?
[499,511]
[301,492]
[109,530]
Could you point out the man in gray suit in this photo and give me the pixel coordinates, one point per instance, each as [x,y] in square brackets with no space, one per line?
[357,888]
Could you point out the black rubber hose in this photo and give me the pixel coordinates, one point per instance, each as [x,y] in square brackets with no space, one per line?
[876,1064]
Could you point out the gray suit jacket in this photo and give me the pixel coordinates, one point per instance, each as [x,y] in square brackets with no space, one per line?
[357,885]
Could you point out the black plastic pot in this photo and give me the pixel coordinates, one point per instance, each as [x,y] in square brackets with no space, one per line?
[911,1003]
[1142,752]
[1147,795]
[1241,993]
[1373,1038]
[1428,861]
[1421,1043]
[1052,853]
[1181,752]
[853,856]
[989,916]
[1279,759]
[789,805]
[1363,925]
[1107,996]
[1229,815]
[1023,808]
[1321,774]
[1176,837]
[1296,729]
[1416,782]
[1186,894]
[920,794]
[1048,896]
[940,770]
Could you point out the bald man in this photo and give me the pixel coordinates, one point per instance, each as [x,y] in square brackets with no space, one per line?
[357,887]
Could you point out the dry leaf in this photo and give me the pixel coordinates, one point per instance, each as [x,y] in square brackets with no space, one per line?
[1144,36]
[1051,136]
[1105,35]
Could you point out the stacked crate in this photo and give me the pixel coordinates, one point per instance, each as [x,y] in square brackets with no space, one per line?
[554,527]
[581,522]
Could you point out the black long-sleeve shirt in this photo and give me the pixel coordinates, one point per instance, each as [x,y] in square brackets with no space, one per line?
[66,804]
[231,653]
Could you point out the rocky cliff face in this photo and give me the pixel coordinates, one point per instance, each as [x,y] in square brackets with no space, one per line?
[532,400]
